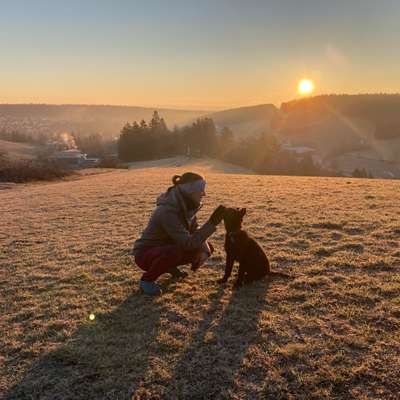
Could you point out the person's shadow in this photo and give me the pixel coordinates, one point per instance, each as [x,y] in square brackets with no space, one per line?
[116,350]
[120,341]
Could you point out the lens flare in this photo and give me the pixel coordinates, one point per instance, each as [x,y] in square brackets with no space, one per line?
[92,317]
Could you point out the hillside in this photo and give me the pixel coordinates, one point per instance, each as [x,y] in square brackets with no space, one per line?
[108,120]
[338,124]
[245,121]
[330,332]
[380,110]
[347,131]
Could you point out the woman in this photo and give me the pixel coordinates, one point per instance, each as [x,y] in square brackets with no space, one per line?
[172,236]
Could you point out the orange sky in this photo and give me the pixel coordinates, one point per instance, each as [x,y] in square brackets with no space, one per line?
[207,55]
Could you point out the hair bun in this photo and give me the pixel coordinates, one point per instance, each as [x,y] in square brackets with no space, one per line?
[187,177]
[176,179]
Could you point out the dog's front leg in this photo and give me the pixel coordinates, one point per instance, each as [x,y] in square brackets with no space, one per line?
[228,269]
[240,278]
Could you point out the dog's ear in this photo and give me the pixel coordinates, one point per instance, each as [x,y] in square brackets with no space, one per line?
[242,212]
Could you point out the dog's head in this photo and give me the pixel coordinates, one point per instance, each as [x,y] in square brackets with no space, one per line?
[233,218]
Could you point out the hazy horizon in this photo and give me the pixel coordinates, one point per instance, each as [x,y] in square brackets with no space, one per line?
[180,108]
[195,56]
[156,107]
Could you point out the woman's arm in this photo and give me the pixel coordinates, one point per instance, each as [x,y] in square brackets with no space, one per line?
[174,228]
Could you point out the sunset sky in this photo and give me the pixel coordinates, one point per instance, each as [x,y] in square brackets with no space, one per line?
[195,54]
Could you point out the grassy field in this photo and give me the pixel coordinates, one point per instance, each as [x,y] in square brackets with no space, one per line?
[331,332]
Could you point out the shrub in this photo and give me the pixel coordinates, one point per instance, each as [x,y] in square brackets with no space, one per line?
[31,170]
[109,163]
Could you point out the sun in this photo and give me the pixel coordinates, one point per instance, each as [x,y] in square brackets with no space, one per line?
[305,87]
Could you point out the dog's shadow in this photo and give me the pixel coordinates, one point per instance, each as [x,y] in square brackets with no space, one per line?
[212,361]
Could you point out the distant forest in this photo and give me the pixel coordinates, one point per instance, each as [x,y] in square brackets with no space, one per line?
[22,137]
[153,140]
[382,110]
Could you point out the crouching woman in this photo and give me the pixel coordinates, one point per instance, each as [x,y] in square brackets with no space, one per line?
[172,236]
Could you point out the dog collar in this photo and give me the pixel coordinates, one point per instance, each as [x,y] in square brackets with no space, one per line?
[231,235]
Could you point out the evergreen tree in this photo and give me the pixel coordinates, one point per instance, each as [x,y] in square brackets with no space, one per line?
[155,122]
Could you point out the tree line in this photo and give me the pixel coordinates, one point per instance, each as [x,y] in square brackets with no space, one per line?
[22,137]
[151,140]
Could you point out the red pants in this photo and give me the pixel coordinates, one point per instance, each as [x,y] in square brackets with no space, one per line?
[158,260]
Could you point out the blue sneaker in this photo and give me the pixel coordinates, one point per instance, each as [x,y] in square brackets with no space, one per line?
[150,288]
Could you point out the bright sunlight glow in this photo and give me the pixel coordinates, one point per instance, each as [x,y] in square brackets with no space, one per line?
[305,87]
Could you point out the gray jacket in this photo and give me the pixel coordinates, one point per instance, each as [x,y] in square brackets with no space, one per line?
[172,223]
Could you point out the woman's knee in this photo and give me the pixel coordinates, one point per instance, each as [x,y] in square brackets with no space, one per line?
[140,262]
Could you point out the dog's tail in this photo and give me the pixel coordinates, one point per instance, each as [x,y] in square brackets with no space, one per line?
[279,274]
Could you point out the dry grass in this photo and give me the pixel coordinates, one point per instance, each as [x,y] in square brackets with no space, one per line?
[331,332]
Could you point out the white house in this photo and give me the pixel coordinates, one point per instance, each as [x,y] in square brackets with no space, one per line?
[71,157]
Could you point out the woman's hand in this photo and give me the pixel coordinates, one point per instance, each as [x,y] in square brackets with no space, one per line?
[217,215]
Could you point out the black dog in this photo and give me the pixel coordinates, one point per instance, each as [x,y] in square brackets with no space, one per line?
[239,246]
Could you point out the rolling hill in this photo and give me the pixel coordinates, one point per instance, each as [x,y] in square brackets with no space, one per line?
[246,121]
[348,131]
[338,124]
[104,119]
[345,131]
